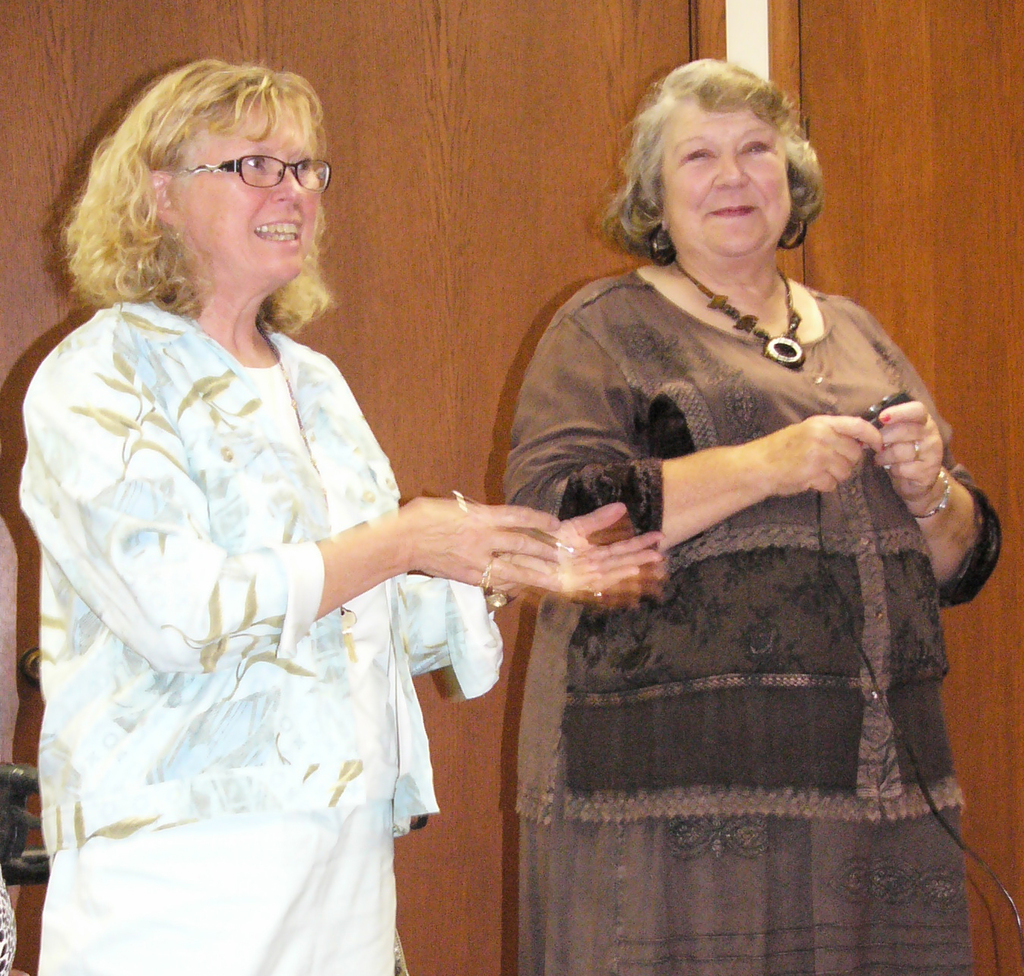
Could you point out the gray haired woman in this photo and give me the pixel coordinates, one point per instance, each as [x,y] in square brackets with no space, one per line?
[736,781]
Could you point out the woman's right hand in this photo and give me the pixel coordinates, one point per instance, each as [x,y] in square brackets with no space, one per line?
[817,454]
[506,548]
[519,548]
[458,540]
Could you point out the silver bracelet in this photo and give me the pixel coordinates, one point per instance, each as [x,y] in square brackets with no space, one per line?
[943,502]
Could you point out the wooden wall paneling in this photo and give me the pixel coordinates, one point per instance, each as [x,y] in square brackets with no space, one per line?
[784,61]
[977,100]
[1008,436]
[473,143]
[923,172]
[515,153]
[707,29]
[784,45]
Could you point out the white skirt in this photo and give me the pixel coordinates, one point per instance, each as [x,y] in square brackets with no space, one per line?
[296,894]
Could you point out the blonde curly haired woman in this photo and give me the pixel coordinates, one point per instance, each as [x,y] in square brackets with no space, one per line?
[233,602]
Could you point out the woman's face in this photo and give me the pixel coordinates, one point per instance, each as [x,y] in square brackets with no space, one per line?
[246,241]
[724,182]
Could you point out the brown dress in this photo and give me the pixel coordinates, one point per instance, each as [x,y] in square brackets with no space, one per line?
[728,782]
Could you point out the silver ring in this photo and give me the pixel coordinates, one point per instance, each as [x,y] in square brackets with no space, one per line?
[461,500]
[917,450]
[494,599]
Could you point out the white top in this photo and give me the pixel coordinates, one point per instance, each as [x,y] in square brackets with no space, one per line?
[185,673]
[372,672]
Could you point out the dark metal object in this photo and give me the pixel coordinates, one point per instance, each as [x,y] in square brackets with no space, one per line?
[28,665]
[874,411]
[20,864]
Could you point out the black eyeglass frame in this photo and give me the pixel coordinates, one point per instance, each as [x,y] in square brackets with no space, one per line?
[235,166]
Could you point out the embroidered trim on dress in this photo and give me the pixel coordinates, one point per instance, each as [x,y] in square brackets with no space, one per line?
[735,802]
[889,881]
[715,682]
[693,837]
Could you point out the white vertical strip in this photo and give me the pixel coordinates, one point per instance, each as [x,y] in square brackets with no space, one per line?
[746,34]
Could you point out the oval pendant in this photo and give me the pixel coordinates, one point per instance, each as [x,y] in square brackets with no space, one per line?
[785,351]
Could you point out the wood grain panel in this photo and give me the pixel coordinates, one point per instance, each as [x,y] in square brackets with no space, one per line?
[784,45]
[707,28]
[923,172]
[490,188]
[473,142]
[784,62]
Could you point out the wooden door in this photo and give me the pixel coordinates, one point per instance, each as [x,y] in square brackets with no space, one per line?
[473,142]
[915,109]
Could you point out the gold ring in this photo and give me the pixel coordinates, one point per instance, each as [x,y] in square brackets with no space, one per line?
[917,450]
[461,500]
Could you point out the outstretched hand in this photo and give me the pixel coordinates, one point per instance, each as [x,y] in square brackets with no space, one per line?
[606,562]
[465,541]
[597,558]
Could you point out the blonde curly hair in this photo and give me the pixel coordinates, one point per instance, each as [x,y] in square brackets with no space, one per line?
[633,218]
[117,248]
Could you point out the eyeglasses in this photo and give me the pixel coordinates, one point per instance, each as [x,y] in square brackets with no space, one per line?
[265,171]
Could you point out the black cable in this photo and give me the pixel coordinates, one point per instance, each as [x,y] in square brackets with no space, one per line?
[901,737]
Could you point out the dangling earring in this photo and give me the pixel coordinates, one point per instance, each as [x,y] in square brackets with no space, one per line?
[794,235]
[663,251]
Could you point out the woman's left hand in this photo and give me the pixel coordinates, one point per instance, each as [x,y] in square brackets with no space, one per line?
[912,454]
[609,563]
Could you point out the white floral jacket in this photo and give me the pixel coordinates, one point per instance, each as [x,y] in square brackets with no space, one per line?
[161,497]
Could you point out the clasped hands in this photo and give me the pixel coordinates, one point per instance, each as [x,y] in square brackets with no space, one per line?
[823,451]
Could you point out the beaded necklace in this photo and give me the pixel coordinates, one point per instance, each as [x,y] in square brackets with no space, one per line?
[785,349]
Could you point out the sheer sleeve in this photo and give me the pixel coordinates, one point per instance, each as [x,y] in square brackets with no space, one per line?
[979,562]
[579,439]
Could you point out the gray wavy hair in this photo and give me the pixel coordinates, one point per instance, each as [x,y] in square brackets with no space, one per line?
[633,218]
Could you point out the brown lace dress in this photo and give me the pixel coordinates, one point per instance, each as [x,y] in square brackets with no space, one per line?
[728,782]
